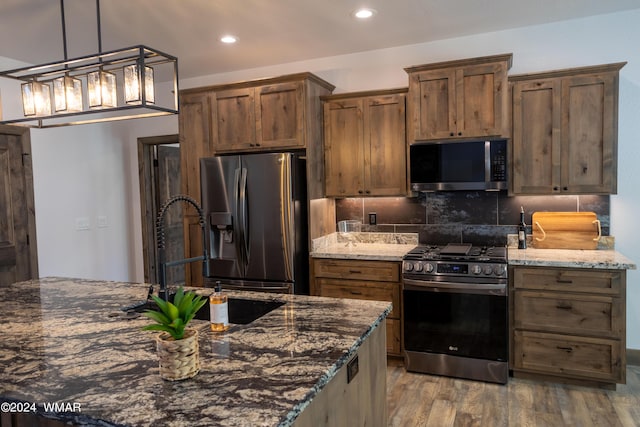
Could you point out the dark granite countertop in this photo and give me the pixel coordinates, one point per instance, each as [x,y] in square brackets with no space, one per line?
[66,341]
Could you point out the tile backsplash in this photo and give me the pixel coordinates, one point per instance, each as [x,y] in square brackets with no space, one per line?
[476,217]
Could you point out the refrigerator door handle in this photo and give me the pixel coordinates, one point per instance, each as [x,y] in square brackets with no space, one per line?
[244,221]
[286,218]
[237,229]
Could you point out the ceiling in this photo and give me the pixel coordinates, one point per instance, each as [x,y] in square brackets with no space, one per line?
[270,31]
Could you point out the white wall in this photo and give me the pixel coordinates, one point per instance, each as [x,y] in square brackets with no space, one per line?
[92,170]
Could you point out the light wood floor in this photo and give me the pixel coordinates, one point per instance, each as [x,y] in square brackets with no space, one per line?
[425,400]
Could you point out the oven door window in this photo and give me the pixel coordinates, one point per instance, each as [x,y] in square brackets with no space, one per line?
[466,325]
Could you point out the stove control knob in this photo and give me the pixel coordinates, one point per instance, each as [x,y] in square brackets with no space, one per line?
[408,266]
[488,270]
[499,270]
[428,267]
[476,269]
[417,266]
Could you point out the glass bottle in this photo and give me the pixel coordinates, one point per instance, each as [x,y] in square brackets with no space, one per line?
[219,310]
[522,231]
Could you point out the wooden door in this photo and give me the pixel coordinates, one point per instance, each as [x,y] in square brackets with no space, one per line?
[168,175]
[343,148]
[159,176]
[433,104]
[385,164]
[482,101]
[536,136]
[235,123]
[279,114]
[18,252]
[589,134]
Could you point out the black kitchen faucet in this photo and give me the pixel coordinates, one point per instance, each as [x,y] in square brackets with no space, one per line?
[162,278]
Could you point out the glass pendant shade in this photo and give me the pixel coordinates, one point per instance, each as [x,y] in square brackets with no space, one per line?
[36,99]
[133,89]
[67,94]
[101,87]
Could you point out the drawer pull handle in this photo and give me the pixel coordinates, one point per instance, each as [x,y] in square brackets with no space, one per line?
[567,349]
[355,271]
[564,306]
[564,281]
[356,293]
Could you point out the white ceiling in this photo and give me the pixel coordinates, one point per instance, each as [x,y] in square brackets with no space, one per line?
[270,31]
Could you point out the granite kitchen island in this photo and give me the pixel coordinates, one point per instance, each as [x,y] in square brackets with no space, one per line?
[67,341]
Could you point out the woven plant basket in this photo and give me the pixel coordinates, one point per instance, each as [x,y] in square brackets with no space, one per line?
[179,359]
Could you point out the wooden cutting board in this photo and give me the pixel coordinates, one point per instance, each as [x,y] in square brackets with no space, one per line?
[565,230]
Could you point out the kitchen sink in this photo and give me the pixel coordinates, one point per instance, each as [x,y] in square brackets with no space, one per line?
[242,311]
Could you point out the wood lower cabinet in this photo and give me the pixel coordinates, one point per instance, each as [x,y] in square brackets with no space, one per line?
[364,144]
[360,279]
[569,324]
[565,131]
[459,99]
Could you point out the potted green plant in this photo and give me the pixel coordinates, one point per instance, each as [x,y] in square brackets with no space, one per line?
[177,345]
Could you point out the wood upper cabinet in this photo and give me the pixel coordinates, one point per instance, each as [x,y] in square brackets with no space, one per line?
[569,323]
[260,118]
[459,99]
[267,114]
[364,144]
[565,131]
[235,124]
[280,115]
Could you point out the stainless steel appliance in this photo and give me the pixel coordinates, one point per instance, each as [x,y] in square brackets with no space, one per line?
[458,165]
[256,221]
[455,311]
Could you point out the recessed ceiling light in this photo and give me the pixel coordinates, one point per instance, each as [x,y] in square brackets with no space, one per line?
[229,39]
[364,13]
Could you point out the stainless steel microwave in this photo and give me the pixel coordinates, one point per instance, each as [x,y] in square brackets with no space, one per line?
[461,165]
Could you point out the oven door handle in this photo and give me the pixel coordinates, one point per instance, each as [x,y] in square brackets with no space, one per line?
[455,287]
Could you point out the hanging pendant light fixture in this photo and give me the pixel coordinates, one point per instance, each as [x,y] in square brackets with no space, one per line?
[36,99]
[134,90]
[67,94]
[119,85]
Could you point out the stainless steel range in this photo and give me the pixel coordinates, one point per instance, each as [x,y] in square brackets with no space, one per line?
[455,311]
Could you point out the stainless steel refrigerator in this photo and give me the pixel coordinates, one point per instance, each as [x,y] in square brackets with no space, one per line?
[256,221]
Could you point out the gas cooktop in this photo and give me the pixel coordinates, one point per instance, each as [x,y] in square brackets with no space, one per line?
[458,251]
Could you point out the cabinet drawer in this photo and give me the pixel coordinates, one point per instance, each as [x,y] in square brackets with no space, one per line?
[569,280]
[592,315]
[355,289]
[580,357]
[382,271]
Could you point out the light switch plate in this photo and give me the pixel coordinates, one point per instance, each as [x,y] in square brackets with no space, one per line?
[102,221]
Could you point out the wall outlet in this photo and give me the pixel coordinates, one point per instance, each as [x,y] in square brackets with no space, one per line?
[373,220]
[83,223]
